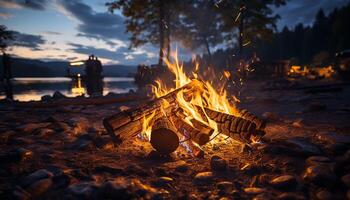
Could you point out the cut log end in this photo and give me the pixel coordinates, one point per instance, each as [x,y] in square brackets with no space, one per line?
[164,141]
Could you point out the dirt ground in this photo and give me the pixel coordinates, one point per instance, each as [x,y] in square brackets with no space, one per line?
[65,152]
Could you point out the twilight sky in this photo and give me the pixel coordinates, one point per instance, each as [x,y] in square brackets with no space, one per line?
[71,29]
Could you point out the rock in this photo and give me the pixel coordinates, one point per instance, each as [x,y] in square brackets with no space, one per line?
[304,147]
[263,196]
[317,160]
[35,176]
[270,116]
[163,181]
[290,196]
[217,163]
[254,190]
[324,195]
[298,123]
[85,190]
[225,185]
[20,194]
[333,137]
[284,182]
[118,188]
[29,128]
[22,154]
[58,95]
[203,178]
[105,143]
[40,187]
[337,148]
[61,181]
[346,180]
[320,175]
[148,192]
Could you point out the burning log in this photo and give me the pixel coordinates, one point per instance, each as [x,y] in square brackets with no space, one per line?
[163,137]
[235,127]
[260,124]
[127,124]
[198,133]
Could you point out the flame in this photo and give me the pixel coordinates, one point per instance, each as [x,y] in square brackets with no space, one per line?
[147,126]
[205,95]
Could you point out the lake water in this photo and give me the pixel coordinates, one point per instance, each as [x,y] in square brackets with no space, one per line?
[26,89]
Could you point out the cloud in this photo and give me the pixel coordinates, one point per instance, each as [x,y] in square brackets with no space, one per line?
[27,40]
[51,33]
[121,55]
[92,24]
[301,11]
[18,4]
[5,15]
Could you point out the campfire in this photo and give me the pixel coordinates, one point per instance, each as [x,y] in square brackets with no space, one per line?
[193,113]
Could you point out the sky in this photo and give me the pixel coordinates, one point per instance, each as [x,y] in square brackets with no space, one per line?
[70,30]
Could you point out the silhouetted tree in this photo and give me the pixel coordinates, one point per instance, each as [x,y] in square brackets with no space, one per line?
[5,37]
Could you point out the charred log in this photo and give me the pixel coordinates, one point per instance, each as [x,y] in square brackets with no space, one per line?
[163,137]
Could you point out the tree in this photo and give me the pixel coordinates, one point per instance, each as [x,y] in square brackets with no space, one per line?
[148,21]
[201,26]
[5,36]
[254,17]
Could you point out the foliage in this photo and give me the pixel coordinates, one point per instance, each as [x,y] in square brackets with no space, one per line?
[5,36]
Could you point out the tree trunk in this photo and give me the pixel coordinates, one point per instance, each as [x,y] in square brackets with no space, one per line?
[208,48]
[161,32]
[168,34]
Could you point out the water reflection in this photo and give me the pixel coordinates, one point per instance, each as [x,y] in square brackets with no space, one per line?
[26,89]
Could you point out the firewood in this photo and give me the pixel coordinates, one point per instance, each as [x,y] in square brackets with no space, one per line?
[127,124]
[235,127]
[198,133]
[245,114]
[163,137]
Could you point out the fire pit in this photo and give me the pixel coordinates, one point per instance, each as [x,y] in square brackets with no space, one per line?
[192,113]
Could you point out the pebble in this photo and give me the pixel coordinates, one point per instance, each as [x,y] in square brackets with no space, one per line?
[254,190]
[84,190]
[320,175]
[284,182]
[290,196]
[346,180]
[316,160]
[163,181]
[204,178]
[21,154]
[40,187]
[263,196]
[35,176]
[225,185]
[20,194]
[217,163]
[118,188]
[324,195]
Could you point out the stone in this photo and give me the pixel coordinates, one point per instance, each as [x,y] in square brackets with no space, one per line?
[30,127]
[203,178]
[290,196]
[284,182]
[105,143]
[217,163]
[324,195]
[225,185]
[304,147]
[337,148]
[84,190]
[346,180]
[317,160]
[23,154]
[263,196]
[5,137]
[35,176]
[333,137]
[61,181]
[254,190]
[147,191]
[40,187]
[320,175]
[118,188]
[20,194]
[163,181]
